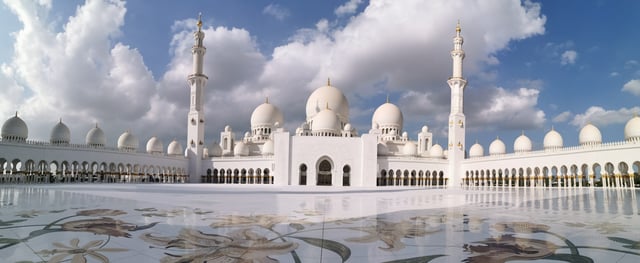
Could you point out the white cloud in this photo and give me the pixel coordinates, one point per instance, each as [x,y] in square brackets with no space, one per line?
[633,87]
[347,8]
[277,11]
[84,75]
[601,117]
[614,74]
[562,117]
[568,57]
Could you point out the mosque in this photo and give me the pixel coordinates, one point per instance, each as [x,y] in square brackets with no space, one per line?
[325,150]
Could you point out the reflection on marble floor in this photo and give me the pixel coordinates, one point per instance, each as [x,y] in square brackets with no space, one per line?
[166,223]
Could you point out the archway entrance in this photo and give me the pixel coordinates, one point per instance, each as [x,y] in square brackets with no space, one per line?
[324,173]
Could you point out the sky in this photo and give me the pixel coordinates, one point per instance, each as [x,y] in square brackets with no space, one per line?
[530,65]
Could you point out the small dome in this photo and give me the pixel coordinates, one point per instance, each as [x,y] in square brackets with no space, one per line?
[410,149]
[497,147]
[387,115]
[154,145]
[241,149]
[227,128]
[267,148]
[476,150]
[60,134]
[553,140]
[405,135]
[215,150]
[15,129]
[325,121]
[247,134]
[425,129]
[348,127]
[436,151]
[266,114]
[632,129]
[522,144]
[383,150]
[127,141]
[589,134]
[331,96]
[95,137]
[174,148]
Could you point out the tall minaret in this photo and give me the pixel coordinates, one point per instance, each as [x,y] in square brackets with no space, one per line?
[195,126]
[456,117]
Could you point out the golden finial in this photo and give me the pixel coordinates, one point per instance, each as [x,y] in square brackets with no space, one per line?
[458,29]
[552,128]
[328,81]
[199,21]
[387,97]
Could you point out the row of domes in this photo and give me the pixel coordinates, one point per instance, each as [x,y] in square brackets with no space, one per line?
[15,129]
[589,135]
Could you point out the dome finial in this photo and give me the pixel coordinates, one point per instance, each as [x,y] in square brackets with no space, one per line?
[16,113]
[60,119]
[327,105]
[552,128]
[96,124]
[328,81]
[199,21]
[522,132]
[458,29]
[266,100]
[387,97]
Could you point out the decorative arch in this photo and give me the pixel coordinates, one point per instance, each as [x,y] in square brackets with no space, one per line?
[324,168]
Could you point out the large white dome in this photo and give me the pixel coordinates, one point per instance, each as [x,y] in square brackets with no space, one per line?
[127,141]
[589,134]
[15,129]
[326,121]
[476,150]
[95,137]
[154,145]
[497,147]
[553,140]
[522,144]
[387,115]
[436,151]
[328,96]
[60,134]
[266,114]
[174,148]
[632,129]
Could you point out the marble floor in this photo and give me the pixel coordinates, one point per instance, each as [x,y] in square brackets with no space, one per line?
[253,223]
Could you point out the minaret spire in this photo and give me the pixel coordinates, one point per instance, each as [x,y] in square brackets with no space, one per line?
[195,119]
[457,119]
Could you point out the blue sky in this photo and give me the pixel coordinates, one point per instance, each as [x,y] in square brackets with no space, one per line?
[530,65]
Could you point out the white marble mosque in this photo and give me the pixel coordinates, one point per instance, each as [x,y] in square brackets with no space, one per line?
[325,150]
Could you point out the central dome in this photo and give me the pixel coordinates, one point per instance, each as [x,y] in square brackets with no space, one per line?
[266,114]
[387,115]
[326,121]
[331,96]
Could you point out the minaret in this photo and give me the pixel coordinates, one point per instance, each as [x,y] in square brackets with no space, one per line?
[456,117]
[195,126]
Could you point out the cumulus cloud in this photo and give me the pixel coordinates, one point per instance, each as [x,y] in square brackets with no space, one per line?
[562,117]
[347,8]
[633,87]
[568,57]
[277,11]
[97,78]
[602,117]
